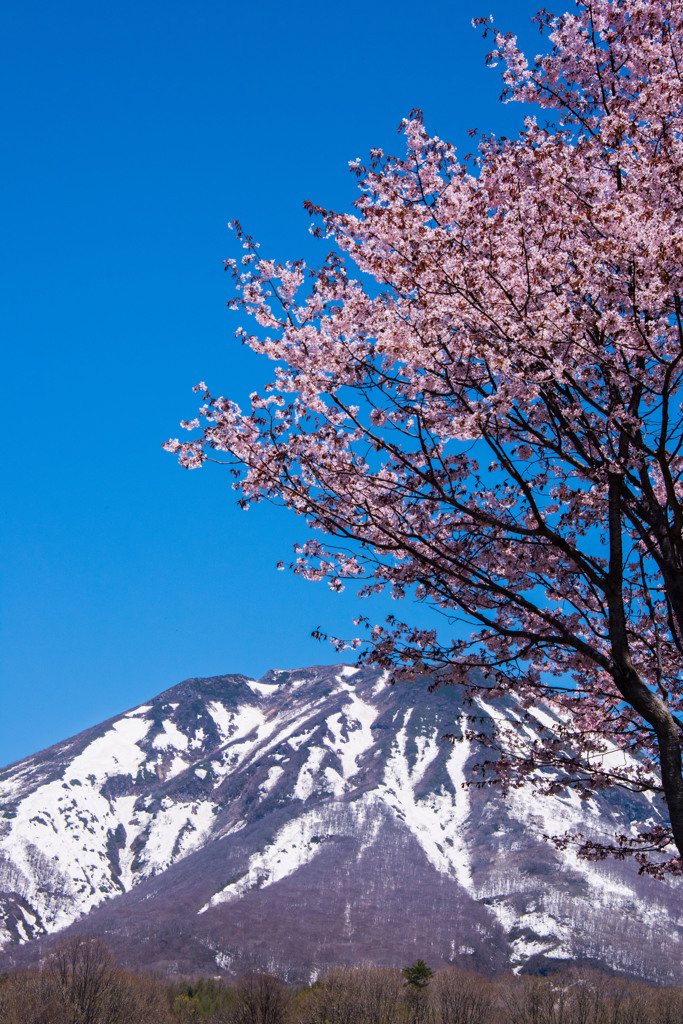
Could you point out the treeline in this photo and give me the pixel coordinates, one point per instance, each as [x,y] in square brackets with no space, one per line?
[80,983]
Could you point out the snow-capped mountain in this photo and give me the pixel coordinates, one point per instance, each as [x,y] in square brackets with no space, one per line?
[309,819]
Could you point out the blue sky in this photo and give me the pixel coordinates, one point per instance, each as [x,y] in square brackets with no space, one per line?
[132,133]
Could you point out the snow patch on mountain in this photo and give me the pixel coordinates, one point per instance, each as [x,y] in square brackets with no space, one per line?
[171,736]
[233,725]
[546,925]
[275,773]
[436,819]
[116,753]
[351,733]
[295,845]
[305,781]
[142,709]
[175,830]
[263,689]
[57,847]
[298,739]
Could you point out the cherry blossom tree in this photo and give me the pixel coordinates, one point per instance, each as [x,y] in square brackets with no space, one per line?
[477,400]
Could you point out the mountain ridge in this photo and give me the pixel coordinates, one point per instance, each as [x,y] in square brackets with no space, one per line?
[307,819]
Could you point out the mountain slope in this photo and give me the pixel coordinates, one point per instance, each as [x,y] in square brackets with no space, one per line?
[308,819]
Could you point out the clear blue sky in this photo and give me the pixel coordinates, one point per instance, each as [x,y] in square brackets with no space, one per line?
[132,133]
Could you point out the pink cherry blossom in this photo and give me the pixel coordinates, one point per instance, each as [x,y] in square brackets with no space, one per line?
[477,400]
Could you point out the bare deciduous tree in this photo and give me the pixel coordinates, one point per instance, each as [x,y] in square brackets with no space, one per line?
[261,999]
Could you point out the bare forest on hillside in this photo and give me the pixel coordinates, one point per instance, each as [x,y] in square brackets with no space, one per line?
[80,983]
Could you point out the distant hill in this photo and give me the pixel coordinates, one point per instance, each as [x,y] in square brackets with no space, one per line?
[310,819]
